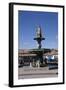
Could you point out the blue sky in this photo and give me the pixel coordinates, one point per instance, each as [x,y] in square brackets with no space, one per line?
[28,21]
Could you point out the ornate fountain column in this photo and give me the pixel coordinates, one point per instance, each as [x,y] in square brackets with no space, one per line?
[39,38]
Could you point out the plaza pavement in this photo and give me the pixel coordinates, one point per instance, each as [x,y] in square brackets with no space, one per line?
[30,72]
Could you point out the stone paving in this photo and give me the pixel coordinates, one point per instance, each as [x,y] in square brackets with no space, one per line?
[27,72]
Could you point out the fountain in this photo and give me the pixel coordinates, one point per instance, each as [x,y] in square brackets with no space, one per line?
[39,51]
